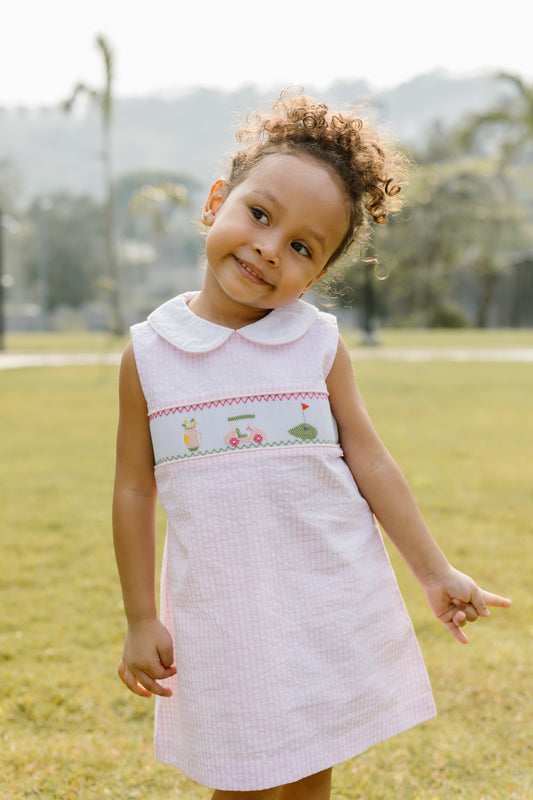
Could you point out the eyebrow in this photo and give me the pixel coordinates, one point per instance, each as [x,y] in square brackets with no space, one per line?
[309,231]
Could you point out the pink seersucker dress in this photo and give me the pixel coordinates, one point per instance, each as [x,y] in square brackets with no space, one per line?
[293,648]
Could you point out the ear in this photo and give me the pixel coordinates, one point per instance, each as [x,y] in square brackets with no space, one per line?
[216,196]
[314,280]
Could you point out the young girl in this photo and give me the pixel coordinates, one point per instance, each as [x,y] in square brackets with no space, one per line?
[283,645]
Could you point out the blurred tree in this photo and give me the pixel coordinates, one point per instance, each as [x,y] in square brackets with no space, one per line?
[10,186]
[511,120]
[155,213]
[156,201]
[103,98]
[463,219]
[419,248]
[460,220]
[147,205]
[63,252]
[149,215]
[2,280]
[496,232]
[129,183]
[9,191]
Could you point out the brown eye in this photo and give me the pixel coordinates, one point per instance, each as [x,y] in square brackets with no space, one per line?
[301,249]
[260,215]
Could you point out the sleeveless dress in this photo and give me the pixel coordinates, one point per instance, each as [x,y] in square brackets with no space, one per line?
[293,647]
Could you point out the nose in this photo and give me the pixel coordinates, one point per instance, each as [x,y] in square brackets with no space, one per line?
[268,249]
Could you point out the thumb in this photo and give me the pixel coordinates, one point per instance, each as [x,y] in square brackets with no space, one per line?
[166,654]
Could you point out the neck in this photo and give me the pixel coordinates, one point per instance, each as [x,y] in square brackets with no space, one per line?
[209,304]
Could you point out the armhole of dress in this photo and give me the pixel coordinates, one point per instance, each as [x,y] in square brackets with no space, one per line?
[136,336]
[332,342]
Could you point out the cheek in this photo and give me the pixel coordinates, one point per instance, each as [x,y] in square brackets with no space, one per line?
[222,239]
[212,246]
[216,234]
[225,226]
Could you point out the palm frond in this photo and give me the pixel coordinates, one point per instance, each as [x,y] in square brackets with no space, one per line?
[79,89]
[107,53]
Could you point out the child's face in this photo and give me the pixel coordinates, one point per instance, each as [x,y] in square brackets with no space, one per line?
[271,236]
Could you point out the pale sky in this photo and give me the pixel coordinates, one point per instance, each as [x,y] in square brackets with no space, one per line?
[164,45]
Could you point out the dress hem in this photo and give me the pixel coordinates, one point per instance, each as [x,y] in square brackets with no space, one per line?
[342,754]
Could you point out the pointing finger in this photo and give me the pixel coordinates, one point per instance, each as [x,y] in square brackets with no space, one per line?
[495,600]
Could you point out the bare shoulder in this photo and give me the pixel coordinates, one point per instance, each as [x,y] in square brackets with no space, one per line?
[135,457]
[130,389]
[128,366]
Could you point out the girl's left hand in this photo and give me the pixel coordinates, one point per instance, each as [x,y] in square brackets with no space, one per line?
[456,599]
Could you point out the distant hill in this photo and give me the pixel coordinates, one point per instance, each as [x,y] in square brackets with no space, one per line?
[190,133]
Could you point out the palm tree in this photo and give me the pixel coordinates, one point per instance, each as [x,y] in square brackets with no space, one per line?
[103,99]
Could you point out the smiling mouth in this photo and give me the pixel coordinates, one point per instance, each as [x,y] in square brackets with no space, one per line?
[251,271]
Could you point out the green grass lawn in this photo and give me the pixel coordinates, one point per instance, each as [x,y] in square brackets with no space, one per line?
[67,342]
[463,434]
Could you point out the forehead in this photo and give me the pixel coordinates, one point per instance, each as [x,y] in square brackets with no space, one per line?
[303,188]
[295,174]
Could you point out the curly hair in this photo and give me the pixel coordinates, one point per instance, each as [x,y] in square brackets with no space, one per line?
[370,169]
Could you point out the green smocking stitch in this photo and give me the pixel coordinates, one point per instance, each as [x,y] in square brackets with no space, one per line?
[250,446]
[303,431]
[241,416]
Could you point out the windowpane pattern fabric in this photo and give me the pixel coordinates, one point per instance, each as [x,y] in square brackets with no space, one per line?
[293,648]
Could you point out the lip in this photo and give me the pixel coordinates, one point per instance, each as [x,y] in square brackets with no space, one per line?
[250,271]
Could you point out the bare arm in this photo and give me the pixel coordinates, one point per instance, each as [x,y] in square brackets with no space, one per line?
[454,597]
[148,653]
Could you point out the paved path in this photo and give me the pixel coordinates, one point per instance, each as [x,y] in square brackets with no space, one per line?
[495,355]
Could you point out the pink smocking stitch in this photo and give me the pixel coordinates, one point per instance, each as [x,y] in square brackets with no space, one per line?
[237,400]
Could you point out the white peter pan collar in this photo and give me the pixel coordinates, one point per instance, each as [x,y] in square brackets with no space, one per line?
[177,324]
